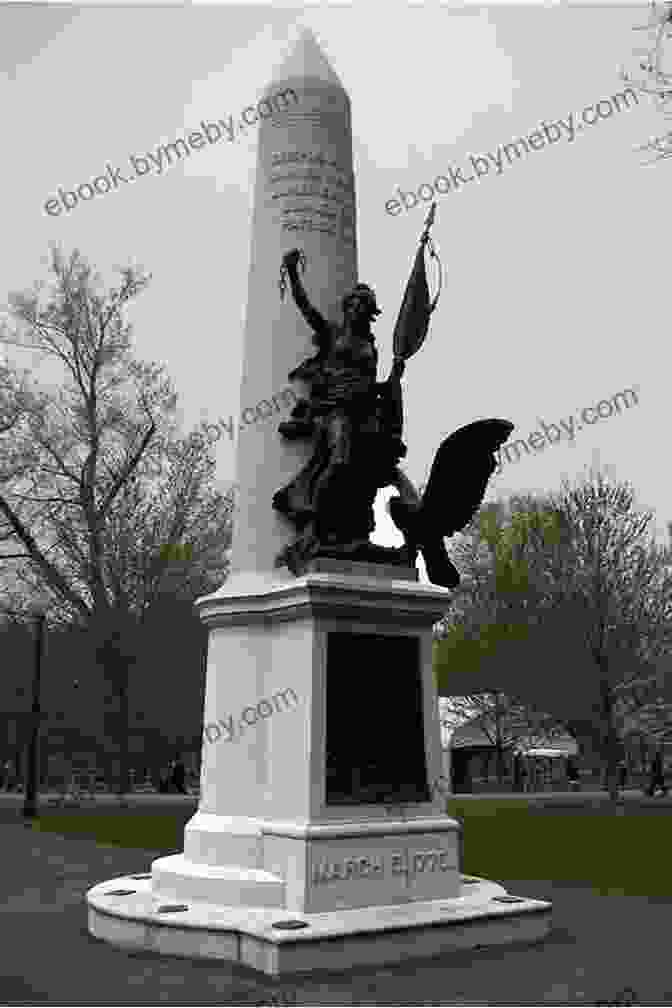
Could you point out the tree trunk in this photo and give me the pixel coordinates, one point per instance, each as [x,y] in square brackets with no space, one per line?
[499,754]
[500,764]
[611,751]
[124,783]
[115,652]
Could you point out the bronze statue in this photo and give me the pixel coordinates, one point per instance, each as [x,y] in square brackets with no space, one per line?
[356,423]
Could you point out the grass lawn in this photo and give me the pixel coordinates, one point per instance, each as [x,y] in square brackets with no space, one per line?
[162,831]
[617,852]
[622,851]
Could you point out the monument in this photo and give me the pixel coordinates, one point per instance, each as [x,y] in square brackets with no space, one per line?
[320,838]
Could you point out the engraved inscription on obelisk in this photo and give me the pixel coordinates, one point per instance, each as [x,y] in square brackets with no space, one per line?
[304,196]
[313,194]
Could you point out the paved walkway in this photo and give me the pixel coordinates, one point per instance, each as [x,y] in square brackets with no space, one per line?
[599,946]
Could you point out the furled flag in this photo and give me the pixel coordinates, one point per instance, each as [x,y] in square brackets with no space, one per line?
[413,321]
[412,325]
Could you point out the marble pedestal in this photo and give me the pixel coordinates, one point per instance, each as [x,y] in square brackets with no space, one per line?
[275,874]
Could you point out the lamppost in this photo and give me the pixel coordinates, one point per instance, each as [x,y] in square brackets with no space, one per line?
[39,613]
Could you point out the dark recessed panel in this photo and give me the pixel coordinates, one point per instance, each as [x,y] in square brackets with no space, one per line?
[375,736]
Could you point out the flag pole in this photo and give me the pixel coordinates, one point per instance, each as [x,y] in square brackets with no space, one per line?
[424,237]
[413,315]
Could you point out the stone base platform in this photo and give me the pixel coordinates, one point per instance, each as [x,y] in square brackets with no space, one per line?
[126,913]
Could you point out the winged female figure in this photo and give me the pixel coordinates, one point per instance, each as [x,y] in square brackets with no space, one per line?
[356,423]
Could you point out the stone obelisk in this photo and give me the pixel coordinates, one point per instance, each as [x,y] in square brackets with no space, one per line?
[304,198]
[307,850]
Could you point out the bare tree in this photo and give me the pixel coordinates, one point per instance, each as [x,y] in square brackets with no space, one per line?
[656,82]
[77,502]
[10,416]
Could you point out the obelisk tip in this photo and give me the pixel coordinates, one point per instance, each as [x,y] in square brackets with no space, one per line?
[305,59]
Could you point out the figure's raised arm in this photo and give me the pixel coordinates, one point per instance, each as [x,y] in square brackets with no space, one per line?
[315,320]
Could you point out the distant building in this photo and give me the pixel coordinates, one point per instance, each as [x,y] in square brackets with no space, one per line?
[470,753]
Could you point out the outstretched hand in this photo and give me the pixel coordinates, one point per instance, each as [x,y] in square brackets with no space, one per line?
[292,258]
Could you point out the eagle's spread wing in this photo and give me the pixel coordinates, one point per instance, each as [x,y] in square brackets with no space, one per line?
[459,476]
[440,568]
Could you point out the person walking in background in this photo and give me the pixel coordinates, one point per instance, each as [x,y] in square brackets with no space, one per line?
[622,773]
[572,774]
[519,772]
[657,779]
[177,776]
[10,776]
[164,779]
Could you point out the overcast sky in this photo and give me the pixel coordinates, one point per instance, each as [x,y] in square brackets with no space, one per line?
[555,285]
